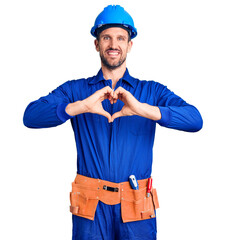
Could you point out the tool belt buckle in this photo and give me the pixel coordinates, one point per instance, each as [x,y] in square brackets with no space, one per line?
[107,188]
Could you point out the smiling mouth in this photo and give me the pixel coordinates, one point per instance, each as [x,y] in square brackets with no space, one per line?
[113,52]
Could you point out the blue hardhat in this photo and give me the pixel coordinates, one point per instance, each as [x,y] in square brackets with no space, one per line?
[114,16]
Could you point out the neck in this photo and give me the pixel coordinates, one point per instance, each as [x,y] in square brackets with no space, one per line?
[114,75]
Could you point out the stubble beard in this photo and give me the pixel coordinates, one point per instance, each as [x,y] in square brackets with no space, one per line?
[110,66]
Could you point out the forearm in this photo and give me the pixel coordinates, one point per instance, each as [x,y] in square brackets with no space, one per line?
[185,118]
[148,111]
[76,108]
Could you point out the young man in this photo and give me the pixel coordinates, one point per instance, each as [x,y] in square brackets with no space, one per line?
[113,116]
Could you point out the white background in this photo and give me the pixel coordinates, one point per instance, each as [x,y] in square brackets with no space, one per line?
[45,43]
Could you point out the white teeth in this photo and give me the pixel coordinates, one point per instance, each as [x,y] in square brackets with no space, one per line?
[113,53]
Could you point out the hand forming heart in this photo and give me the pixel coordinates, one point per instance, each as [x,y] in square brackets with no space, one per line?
[94,102]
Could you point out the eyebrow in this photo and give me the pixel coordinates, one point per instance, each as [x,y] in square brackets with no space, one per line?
[107,35]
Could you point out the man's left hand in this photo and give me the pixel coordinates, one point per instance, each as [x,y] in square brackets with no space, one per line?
[131,104]
[133,107]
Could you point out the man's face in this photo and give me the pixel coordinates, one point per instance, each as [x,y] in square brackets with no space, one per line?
[113,46]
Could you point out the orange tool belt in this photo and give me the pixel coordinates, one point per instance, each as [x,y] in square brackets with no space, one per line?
[135,205]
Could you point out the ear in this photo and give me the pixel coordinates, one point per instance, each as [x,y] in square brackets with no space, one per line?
[96,43]
[130,44]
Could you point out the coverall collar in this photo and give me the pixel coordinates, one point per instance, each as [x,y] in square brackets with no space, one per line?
[99,77]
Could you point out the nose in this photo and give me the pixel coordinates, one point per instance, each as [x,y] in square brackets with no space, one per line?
[113,43]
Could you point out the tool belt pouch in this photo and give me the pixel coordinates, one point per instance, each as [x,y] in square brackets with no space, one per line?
[135,205]
[83,200]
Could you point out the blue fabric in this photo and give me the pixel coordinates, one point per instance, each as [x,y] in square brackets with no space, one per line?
[113,151]
[108,225]
[61,113]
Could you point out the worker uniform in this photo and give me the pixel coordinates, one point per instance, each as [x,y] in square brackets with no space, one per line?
[113,151]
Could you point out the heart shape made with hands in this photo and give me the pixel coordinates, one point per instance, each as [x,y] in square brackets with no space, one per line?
[131,104]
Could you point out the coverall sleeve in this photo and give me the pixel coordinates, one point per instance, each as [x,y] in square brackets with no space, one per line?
[49,111]
[176,113]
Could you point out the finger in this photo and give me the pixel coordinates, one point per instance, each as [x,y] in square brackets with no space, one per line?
[111,99]
[107,93]
[109,96]
[107,115]
[119,92]
[120,96]
[115,97]
[106,89]
[116,115]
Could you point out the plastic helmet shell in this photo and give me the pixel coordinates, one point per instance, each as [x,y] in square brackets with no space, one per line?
[114,14]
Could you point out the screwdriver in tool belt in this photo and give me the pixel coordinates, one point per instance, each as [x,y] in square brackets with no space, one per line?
[149,186]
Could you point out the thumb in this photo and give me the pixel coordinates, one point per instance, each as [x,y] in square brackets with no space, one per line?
[107,115]
[116,115]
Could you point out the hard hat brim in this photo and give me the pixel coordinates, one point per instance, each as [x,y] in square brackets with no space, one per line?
[96,30]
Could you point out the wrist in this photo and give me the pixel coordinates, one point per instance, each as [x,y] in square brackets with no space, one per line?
[149,111]
[75,108]
[84,106]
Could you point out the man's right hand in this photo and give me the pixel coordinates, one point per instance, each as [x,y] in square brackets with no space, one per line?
[92,104]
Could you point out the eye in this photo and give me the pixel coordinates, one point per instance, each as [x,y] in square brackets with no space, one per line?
[106,38]
[121,38]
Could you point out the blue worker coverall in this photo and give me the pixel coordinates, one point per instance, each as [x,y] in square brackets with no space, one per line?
[113,151]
